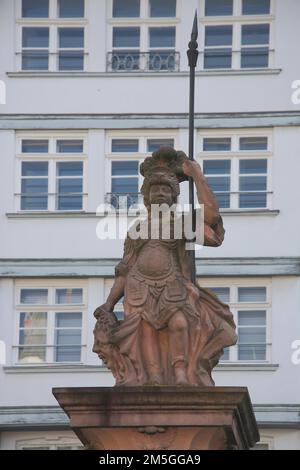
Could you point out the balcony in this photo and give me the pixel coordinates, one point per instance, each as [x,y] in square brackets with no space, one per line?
[135,61]
[124,201]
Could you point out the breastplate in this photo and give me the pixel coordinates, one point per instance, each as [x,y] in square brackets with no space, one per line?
[155,260]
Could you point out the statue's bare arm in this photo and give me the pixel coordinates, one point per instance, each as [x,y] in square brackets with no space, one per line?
[213,226]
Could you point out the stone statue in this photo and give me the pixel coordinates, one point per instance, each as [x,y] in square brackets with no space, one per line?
[174,331]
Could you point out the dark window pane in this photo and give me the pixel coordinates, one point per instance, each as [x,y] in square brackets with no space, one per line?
[123,168]
[254,143]
[68,320]
[216,144]
[217,59]
[69,203]
[35,8]
[35,37]
[119,315]
[253,34]
[218,35]
[254,200]
[252,294]
[71,37]
[34,146]
[33,319]
[162,37]
[34,186]
[71,60]
[34,202]
[216,167]
[34,296]
[126,9]
[225,355]
[252,335]
[125,145]
[71,8]
[69,146]
[35,60]
[124,185]
[32,354]
[70,185]
[163,8]
[252,318]
[67,354]
[218,7]
[34,336]
[68,296]
[253,166]
[252,353]
[70,169]
[255,57]
[253,183]
[155,144]
[256,7]
[35,169]
[223,293]
[223,200]
[217,183]
[126,37]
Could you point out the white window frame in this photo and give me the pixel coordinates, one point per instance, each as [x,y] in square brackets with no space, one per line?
[236,20]
[50,308]
[144,22]
[236,306]
[235,155]
[54,22]
[52,157]
[139,156]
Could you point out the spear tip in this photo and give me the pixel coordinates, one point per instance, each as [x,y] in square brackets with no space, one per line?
[195,26]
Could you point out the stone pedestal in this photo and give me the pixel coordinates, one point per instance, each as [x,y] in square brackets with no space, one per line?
[160,418]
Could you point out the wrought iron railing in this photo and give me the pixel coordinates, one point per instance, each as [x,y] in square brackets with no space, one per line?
[123,201]
[135,61]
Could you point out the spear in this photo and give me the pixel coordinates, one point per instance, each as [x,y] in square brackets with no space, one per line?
[192,54]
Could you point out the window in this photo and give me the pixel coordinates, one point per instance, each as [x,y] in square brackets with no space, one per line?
[145,44]
[50,324]
[124,158]
[71,53]
[51,44]
[52,174]
[250,307]
[255,35]
[240,44]
[237,169]
[34,186]
[35,52]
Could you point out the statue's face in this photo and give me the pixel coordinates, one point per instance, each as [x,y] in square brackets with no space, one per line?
[160,194]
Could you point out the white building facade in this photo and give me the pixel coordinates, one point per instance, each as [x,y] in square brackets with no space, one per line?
[88,89]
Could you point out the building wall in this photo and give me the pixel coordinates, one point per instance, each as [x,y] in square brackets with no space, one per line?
[260,245]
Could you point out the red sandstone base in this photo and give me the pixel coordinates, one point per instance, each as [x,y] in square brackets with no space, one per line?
[160,418]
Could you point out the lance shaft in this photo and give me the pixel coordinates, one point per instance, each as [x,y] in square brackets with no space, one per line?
[192,54]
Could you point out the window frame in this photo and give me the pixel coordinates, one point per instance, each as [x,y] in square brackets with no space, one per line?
[52,157]
[139,156]
[236,306]
[235,155]
[51,308]
[53,22]
[237,20]
[144,22]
